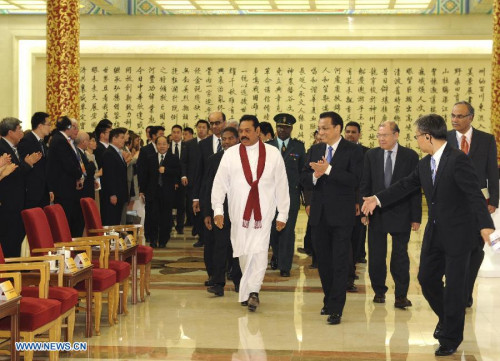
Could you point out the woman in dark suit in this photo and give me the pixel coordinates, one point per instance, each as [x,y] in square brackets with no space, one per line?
[162,178]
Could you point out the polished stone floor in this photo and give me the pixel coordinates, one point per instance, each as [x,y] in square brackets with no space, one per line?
[181,321]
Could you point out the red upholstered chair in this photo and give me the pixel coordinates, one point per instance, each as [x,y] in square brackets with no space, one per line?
[61,232]
[40,240]
[94,225]
[37,315]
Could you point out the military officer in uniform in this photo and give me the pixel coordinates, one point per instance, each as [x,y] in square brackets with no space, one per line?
[294,154]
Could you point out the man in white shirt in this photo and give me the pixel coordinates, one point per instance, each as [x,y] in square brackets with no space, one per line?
[253,176]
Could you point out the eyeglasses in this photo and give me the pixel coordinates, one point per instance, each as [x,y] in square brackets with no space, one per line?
[383,136]
[459,116]
[217,123]
[419,135]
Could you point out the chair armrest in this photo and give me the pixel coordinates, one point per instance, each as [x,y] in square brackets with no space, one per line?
[42,267]
[16,277]
[54,257]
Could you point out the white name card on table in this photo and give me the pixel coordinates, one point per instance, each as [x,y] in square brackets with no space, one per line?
[70,265]
[7,291]
[82,260]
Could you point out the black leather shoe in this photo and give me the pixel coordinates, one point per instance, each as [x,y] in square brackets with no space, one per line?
[334,319]
[179,230]
[361,260]
[274,263]
[438,330]
[304,251]
[244,303]
[153,245]
[356,277]
[209,282]
[285,273]
[445,351]
[237,288]
[470,301]
[324,311]
[379,299]
[351,287]
[217,290]
[313,265]
[402,302]
[198,244]
[194,232]
[253,301]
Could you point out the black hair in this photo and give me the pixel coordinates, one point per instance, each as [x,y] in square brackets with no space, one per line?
[176,126]
[37,119]
[250,118]
[432,124]
[354,124]
[63,123]
[470,108]
[116,132]
[188,129]
[231,130]
[203,121]
[266,128]
[155,129]
[336,119]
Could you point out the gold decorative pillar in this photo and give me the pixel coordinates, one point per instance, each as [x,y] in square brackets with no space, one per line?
[63,58]
[495,77]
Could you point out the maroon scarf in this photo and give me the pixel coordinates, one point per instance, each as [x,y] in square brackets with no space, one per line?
[253,202]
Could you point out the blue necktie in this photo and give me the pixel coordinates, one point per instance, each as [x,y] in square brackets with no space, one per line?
[388,169]
[330,154]
[433,169]
[219,146]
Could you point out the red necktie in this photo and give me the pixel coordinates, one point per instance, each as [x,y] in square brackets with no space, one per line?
[464,146]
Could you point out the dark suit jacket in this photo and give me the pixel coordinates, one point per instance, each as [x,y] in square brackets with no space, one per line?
[182,159]
[114,176]
[192,155]
[63,168]
[205,148]
[294,158]
[212,167]
[334,194]
[483,153]
[36,178]
[457,208]
[398,216]
[12,187]
[98,153]
[141,165]
[88,190]
[170,177]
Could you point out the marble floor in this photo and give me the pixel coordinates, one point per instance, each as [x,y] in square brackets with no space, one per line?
[181,321]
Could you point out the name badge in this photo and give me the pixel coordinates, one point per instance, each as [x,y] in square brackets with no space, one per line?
[130,241]
[82,260]
[70,265]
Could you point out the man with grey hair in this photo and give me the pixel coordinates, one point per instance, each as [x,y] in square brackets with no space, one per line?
[383,166]
[12,188]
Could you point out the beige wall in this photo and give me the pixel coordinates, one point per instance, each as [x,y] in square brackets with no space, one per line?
[241,28]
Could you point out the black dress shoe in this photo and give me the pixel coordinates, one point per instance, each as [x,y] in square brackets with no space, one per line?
[274,263]
[253,301]
[217,290]
[153,245]
[361,260]
[356,277]
[162,245]
[445,351]
[304,251]
[194,232]
[209,282]
[237,288]
[438,330]
[179,230]
[285,273]
[379,299]
[334,319]
[244,303]
[351,287]
[198,244]
[313,265]
[402,302]
[470,301]
[324,311]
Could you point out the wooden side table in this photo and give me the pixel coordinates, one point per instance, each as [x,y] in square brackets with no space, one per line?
[10,309]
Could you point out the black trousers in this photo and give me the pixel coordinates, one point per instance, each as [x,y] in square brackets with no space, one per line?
[447,302]
[400,262]
[189,206]
[42,202]
[283,243]
[180,205]
[113,213]
[11,232]
[358,239]
[160,219]
[476,259]
[221,249]
[331,245]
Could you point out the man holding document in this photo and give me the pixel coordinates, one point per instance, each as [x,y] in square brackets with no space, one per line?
[457,210]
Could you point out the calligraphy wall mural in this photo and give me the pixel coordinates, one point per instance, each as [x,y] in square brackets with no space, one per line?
[135,92]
